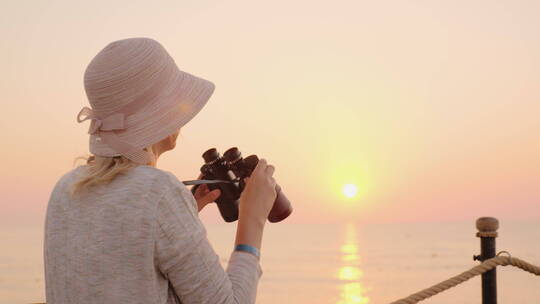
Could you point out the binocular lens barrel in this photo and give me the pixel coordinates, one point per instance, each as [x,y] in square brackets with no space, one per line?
[232,155]
[210,155]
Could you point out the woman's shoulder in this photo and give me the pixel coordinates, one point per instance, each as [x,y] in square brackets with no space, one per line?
[161,177]
[66,177]
[149,172]
[172,188]
[141,178]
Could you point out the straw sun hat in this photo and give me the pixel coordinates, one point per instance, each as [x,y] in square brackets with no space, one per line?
[138,96]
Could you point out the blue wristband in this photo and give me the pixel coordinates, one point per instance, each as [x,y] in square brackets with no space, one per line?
[248,248]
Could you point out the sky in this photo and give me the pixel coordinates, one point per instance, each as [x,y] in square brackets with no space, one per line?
[430,108]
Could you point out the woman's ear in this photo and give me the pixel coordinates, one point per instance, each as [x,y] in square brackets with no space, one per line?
[172,139]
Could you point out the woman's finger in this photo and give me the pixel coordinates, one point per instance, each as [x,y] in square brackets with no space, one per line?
[210,197]
[260,167]
[270,170]
[201,190]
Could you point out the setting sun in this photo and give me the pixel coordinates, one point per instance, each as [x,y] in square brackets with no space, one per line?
[350,190]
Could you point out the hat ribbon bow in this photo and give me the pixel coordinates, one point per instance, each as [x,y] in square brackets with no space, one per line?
[112,122]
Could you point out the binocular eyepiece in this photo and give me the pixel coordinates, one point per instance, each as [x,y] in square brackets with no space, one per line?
[228,173]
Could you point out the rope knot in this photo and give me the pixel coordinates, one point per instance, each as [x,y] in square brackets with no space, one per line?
[508,253]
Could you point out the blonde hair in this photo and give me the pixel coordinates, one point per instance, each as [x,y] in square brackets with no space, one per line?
[102,170]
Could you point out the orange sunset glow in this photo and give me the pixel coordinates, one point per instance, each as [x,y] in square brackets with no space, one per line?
[423,107]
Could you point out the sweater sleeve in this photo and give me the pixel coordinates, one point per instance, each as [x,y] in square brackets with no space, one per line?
[186,258]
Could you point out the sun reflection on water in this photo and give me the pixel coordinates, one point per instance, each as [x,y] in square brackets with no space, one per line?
[349,273]
[352,291]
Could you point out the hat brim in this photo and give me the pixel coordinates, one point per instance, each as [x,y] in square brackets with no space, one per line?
[174,108]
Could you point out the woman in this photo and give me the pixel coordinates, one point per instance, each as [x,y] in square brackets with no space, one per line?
[119,230]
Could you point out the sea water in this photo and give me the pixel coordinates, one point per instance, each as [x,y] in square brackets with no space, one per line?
[340,264]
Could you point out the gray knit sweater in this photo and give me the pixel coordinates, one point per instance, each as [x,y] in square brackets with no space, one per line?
[138,239]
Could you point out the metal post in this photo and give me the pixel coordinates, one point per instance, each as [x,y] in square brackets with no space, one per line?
[487,232]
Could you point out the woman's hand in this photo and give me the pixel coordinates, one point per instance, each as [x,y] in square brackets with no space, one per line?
[204,196]
[256,201]
[259,194]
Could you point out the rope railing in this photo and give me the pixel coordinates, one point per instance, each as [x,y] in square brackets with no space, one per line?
[466,275]
[487,232]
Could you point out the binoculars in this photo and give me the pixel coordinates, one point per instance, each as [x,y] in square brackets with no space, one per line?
[227,174]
